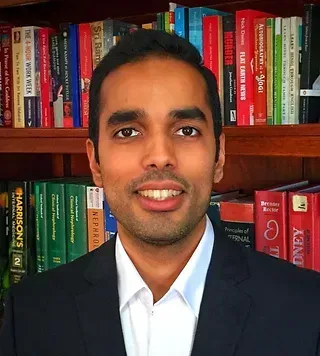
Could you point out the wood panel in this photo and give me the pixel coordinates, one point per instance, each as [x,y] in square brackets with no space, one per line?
[79,165]
[25,166]
[249,173]
[312,169]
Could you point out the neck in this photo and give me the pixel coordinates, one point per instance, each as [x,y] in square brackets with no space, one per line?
[159,266]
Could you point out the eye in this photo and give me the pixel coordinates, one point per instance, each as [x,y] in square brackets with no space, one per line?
[187,131]
[127,133]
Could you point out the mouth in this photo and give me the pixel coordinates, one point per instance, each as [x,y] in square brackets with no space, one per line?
[159,194]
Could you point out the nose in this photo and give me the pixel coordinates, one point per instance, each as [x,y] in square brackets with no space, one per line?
[159,153]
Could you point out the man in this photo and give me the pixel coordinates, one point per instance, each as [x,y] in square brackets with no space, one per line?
[169,284]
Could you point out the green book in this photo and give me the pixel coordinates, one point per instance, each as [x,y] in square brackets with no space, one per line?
[56,224]
[277,113]
[270,69]
[76,220]
[41,203]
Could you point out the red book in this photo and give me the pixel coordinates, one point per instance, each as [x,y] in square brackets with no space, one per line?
[260,71]
[304,228]
[6,75]
[271,215]
[244,61]
[85,54]
[213,49]
[47,114]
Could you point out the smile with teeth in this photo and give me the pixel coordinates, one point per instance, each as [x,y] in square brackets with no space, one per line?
[162,194]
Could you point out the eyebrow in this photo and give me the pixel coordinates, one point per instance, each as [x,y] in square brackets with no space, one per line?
[188,113]
[128,116]
[125,116]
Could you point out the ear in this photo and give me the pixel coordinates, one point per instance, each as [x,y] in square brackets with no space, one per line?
[218,174]
[94,166]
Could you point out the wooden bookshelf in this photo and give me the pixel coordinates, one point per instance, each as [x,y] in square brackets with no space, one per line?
[289,141]
[11,3]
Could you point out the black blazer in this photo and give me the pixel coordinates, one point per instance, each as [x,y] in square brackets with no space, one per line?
[253,305]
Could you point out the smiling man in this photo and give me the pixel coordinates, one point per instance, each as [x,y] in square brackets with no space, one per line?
[169,283]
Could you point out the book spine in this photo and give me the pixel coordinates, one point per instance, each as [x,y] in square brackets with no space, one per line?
[96,228]
[1,92]
[85,70]
[97,42]
[181,15]
[66,76]
[18,198]
[195,28]
[75,74]
[7,79]
[29,77]
[237,222]
[76,210]
[285,71]
[294,83]
[309,104]
[38,207]
[270,67]
[45,79]
[271,223]
[110,221]
[56,80]
[211,45]
[304,227]
[172,7]
[277,72]
[260,71]
[30,248]
[229,71]
[18,80]
[244,59]
[38,113]
[56,225]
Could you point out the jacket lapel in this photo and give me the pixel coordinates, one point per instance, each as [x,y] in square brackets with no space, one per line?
[224,306]
[98,305]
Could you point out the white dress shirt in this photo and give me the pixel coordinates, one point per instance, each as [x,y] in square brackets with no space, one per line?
[166,328]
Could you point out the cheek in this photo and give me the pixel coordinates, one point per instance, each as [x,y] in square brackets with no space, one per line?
[118,165]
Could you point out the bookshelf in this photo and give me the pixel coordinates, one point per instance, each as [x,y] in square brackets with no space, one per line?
[284,141]
[256,156]
[11,3]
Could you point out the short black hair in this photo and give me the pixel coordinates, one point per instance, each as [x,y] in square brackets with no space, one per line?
[141,44]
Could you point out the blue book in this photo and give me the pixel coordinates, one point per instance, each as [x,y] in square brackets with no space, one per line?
[110,221]
[75,74]
[181,19]
[196,14]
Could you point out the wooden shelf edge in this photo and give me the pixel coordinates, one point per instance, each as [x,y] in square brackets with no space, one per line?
[290,141]
[12,3]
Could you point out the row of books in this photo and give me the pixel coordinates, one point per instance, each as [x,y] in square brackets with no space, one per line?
[266,66]
[282,221]
[47,223]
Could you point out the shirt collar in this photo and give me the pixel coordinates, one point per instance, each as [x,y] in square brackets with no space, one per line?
[189,284]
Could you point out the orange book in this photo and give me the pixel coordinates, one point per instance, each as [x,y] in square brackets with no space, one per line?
[237,220]
[95,214]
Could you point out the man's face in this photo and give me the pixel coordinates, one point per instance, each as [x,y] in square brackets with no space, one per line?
[156,149]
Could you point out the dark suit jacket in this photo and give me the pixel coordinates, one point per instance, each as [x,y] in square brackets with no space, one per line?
[253,305]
